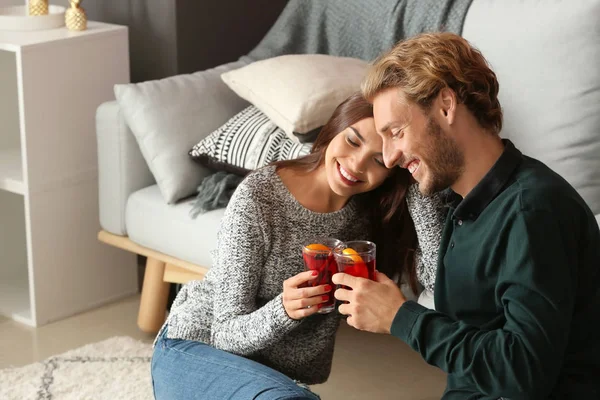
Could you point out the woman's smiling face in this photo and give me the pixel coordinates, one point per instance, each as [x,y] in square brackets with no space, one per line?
[354,160]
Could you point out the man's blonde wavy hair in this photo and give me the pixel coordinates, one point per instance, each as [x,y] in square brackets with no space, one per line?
[423,65]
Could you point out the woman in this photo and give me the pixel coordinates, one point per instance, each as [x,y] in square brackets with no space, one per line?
[247,330]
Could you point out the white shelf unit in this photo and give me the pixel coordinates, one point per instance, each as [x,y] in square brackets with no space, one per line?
[51,83]
[11,171]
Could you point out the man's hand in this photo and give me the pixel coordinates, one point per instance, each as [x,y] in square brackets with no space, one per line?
[371,305]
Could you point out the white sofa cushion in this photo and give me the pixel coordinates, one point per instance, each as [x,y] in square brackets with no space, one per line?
[547,56]
[298,92]
[426,299]
[121,167]
[169,229]
[169,116]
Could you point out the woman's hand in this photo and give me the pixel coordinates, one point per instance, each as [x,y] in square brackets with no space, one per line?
[300,302]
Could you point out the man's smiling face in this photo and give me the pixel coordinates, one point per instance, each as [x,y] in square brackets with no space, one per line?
[416,141]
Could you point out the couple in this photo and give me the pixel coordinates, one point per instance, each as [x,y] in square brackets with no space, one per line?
[517,285]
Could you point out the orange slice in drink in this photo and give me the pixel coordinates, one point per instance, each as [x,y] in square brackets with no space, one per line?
[358,267]
[353,255]
[317,247]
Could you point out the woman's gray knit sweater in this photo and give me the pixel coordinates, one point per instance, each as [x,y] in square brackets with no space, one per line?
[238,306]
[428,215]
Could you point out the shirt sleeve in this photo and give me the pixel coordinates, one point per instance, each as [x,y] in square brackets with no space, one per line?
[240,325]
[536,288]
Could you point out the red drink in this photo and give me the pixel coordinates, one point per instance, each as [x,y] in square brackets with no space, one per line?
[356,258]
[318,256]
[360,269]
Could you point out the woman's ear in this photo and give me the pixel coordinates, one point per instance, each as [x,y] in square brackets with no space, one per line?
[447,103]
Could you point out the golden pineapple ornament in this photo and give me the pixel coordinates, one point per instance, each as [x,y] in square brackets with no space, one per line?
[38,7]
[75,17]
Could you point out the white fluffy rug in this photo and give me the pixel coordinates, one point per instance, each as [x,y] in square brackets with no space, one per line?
[117,368]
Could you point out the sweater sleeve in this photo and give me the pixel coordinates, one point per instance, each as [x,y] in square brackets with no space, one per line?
[536,289]
[240,325]
[428,215]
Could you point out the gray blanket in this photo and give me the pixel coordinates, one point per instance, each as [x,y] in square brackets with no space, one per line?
[346,28]
[355,28]
[214,192]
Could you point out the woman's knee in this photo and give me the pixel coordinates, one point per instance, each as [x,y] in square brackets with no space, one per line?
[185,369]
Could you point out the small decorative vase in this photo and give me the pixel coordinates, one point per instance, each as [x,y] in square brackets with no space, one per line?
[38,7]
[75,18]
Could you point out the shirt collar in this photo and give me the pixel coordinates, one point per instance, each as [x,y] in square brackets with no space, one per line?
[489,187]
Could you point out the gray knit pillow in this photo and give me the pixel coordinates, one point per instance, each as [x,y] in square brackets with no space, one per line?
[249,140]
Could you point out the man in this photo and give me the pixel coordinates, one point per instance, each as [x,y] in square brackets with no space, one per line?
[517,290]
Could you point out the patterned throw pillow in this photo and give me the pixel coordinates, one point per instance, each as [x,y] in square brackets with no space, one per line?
[249,140]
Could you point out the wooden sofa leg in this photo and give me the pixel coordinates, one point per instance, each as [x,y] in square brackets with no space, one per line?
[155,295]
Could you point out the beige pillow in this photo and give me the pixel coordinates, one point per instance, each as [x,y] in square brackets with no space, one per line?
[298,92]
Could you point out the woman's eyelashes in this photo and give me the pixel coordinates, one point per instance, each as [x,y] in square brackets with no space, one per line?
[351,142]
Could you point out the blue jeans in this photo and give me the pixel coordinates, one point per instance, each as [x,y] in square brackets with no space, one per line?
[186,369]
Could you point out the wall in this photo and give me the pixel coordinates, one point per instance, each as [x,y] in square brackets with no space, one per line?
[211,33]
[152,33]
[9,3]
[170,37]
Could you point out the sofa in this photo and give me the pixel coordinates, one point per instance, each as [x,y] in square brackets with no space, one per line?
[546,56]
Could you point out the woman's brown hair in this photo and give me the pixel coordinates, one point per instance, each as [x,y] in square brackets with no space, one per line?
[393,230]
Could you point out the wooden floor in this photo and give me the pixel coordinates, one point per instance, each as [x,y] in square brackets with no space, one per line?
[365,366]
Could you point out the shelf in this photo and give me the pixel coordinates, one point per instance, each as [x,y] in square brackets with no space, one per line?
[15,41]
[14,298]
[11,171]
[14,282]
[51,84]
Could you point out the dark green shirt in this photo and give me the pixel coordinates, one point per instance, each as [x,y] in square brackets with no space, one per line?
[517,290]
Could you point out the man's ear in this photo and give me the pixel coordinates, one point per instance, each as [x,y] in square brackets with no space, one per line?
[447,103]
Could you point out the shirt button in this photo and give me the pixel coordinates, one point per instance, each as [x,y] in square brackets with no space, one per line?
[460,222]
[452,245]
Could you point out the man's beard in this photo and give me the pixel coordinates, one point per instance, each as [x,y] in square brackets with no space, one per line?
[443,158]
